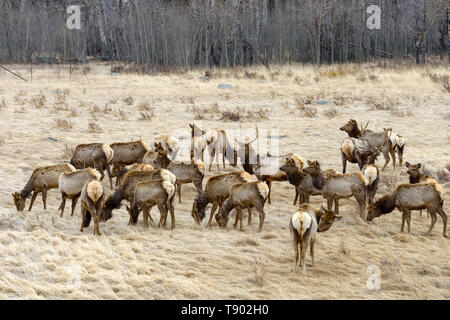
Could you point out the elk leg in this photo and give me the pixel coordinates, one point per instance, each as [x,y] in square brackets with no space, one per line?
[386,159]
[444,220]
[172,216]
[408,219]
[211,215]
[63,204]
[178,186]
[83,218]
[296,196]
[74,204]
[33,197]
[261,217]
[250,210]
[236,220]
[97,224]
[329,204]
[433,220]
[403,220]
[336,206]
[163,212]
[295,246]
[145,214]
[211,160]
[304,248]
[311,250]
[44,198]
[108,170]
[392,152]
[344,162]
[269,184]
[400,156]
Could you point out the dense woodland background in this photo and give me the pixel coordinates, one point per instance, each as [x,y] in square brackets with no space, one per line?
[206,33]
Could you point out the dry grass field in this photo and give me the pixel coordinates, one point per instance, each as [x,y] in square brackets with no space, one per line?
[43,256]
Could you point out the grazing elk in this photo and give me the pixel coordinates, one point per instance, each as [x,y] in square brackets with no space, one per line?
[127,188]
[158,193]
[159,158]
[303,225]
[42,179]
[244,195]
[187,173]
[127,153]
[357,151]
[91,204]
[335,186]
[372,174]
[94,155]
[268,170]
[216,191]
[71,184]
[407,197]
[381,140]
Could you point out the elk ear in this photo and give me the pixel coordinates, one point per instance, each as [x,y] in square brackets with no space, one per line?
[407,164]
[190,125]
[419,165]
[310,163]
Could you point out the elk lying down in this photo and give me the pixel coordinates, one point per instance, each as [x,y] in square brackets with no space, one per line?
[372,174]
[71,184]
[187,173]
[335,186]
[407,197]
[243,196]
[91,204]
[158,193]
[216,191]
[127,188]
[303,225]
[42,180]
[127,153]
[94,155]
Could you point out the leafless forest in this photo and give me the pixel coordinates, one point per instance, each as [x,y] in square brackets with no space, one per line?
[181,33]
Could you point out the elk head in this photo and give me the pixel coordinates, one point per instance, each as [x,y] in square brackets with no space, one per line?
[196,131]
[19,201]
[163,158]
[413,172]
[351,127]
[325,219]
[246,153]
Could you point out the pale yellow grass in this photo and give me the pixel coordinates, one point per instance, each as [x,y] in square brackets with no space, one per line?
[45,256]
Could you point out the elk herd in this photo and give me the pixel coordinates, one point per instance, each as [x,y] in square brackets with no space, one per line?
[149,175]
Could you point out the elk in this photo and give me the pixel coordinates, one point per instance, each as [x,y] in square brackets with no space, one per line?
[244,195]
[415,176]
[247,155]
[127,153]
[268,170]
[357,151]
[407,197]
[187,173]
[398,143]
[168,143]
[134,167]
[302,182]
[335,186]
[94,155]
[160,193]
[42,179]
[217,143]
[372,174]
[159,158]
[216,191]
[381,140]
[91,204]
[71,184]
[303,226]
[127,188]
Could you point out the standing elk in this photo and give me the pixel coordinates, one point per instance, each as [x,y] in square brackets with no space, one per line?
[94,155]
[398,143]
[127,153]
[159,158]
[407,197]
[187,173]
[268,170]
[42,179]
[244,195]
[335,186]
[127,188]
[380,140]
[160,193]
[216,191]
[71,184]
[357,151]
[134,167]
[303,226]
[91,204]
[372,174]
